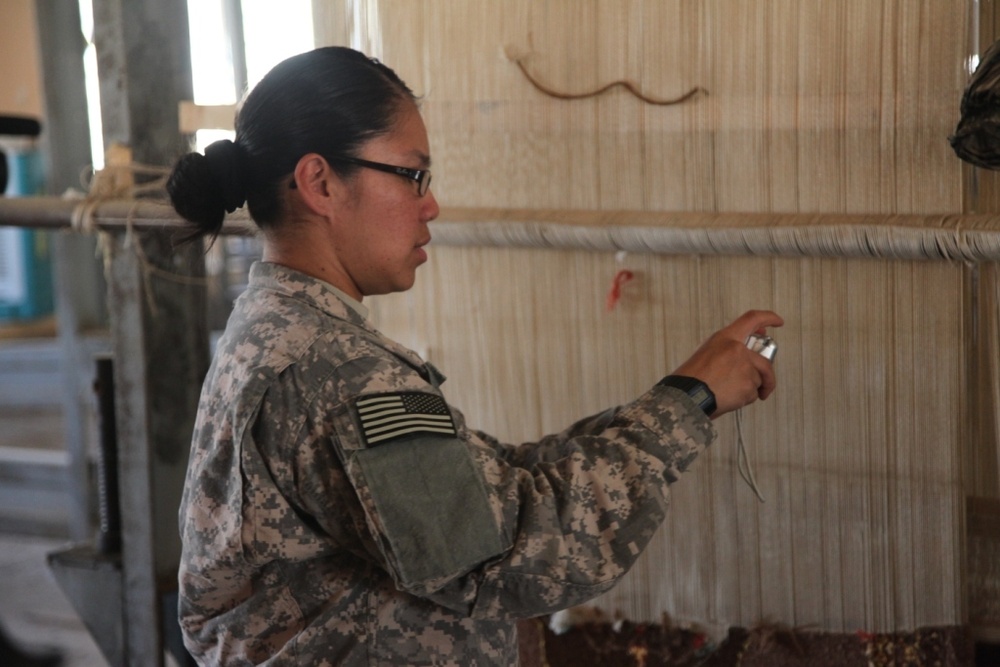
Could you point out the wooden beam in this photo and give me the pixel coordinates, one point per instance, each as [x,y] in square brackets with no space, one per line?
[159,335]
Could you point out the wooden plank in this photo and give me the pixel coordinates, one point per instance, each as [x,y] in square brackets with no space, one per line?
[194,117]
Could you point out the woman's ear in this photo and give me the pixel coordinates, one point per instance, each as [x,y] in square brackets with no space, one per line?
[316,183]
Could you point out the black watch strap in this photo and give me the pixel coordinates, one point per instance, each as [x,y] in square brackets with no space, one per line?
[695,388]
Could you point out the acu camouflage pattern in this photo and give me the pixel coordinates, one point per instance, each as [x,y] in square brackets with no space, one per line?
[285,560]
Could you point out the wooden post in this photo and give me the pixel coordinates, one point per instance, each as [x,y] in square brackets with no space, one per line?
[157,305]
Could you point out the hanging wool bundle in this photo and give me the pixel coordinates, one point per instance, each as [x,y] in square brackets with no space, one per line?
[977,137]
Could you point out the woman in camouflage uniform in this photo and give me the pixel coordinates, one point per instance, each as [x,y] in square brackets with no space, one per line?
[337,510]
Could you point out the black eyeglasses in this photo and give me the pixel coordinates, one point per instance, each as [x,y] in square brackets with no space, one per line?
[422,177]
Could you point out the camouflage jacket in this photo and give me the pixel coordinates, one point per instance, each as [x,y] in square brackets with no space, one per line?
[337,511]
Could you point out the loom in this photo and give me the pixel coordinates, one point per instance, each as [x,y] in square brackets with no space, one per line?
[811,175]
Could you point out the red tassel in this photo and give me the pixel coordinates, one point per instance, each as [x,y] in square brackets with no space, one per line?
[615,293]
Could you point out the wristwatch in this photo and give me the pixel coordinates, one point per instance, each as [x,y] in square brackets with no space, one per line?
[696,389]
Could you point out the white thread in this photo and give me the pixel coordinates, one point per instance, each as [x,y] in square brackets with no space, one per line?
[743,459]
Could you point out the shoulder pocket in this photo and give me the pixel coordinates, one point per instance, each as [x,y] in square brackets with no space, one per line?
[432,505]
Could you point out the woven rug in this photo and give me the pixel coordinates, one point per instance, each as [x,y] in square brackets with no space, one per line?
[654,645]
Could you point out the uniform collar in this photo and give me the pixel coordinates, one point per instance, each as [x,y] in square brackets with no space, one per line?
[280,278]
[352,303]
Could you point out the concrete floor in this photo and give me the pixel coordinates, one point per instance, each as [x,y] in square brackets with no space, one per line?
[33,610]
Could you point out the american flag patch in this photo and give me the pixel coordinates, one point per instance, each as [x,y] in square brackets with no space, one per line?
[389,416]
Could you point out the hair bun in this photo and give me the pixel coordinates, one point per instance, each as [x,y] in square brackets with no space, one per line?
[224,159]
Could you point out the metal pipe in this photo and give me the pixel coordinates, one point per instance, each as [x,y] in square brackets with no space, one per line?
[930,237]
[107,215]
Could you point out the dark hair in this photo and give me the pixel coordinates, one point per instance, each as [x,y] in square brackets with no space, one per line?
[328,101]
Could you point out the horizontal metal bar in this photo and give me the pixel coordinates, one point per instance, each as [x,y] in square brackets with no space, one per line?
[107,215]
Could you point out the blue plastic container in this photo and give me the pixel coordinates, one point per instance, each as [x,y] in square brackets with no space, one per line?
[26,291]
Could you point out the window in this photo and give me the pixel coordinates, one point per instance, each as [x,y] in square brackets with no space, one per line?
[233,44]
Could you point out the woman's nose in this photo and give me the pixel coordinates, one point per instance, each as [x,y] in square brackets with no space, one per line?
[431,209]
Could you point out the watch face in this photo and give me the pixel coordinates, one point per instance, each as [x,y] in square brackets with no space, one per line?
[700,396]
